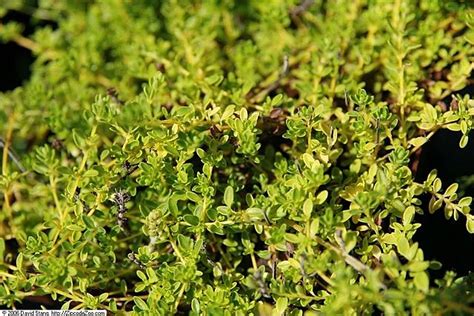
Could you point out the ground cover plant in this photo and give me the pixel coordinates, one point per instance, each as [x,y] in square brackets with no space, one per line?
[232,157]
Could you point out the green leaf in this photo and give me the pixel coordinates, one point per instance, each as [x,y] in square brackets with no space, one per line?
[418,266]
[434,205]
[435,265]
[308,160]
[255,214]
[292,238]
[321,197]
[243,114]
[408,215]
[229,196]
[96,261]
[112,305]
[103,297]
[215,79]
[404,247]
[191,219]
[65,306]
[451,190]
[185,243]
[88,221]
[281,305]
[277,100]
[463,141]
[193,196]
[195,306]
[19,261]
[422,282]
[152,277]
[140,303]
[470,224]
[350,241]
[314,227]
[465,201]
[224,210]
[307,208]
[74,227]
[140,287]
[90,173]
[418,141]
[437,185]
[455,127]
[229,110]
[216,229]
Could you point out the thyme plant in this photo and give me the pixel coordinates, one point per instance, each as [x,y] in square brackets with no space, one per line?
[232,157]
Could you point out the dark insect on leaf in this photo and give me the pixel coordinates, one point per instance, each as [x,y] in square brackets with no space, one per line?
[215,131]
[57,144]
[454,105]
[133,257]
[160,67]
[234,141]
[77,198]
[127,166]
[113,94]
[77,193]
[277,114]
[120,198]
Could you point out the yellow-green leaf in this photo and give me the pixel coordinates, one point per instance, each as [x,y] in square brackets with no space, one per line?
[229,196]
[422,282]
[418,141]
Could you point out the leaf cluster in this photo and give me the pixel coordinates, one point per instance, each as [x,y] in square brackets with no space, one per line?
[232,157]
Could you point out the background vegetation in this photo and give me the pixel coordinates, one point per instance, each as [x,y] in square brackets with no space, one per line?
[232,157]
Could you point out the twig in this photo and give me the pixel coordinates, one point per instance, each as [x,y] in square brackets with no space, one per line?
[301,8]
[284,72]
[350,260]
[12,155]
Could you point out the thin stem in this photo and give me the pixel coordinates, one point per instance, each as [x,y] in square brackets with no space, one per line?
[254,262]
[76,297]
[31,45]
[82,166]
[13,156]
[8,275]
[451,305]
[301,296]
[129,298]
[175,247]
[112,278]
[414,149]
[325,278]
[224,255]
[62,216]
[180,295]
[309,131]
[6,150]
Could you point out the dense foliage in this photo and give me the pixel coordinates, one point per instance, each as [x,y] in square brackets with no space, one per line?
[232,157]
